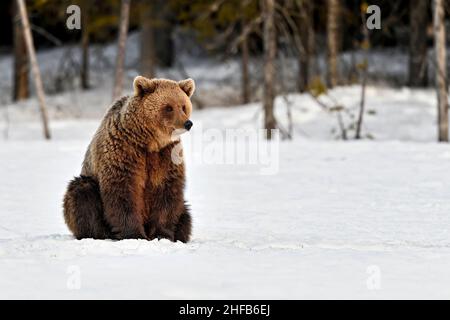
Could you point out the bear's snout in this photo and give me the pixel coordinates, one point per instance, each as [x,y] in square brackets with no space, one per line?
[188,125]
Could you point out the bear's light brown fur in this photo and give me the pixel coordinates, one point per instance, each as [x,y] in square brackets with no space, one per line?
[129,185]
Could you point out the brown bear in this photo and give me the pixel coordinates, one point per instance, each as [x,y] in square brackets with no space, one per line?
[130,187]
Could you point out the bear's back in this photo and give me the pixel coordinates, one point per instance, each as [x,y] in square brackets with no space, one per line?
[109,123]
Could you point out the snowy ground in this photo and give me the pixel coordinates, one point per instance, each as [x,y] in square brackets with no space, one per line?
[366,219]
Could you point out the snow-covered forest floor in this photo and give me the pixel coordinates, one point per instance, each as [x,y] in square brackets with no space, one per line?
[366,219]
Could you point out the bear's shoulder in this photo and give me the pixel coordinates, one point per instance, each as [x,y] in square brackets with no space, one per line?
[117,106]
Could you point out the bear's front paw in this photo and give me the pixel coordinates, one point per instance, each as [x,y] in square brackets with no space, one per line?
[129,234]
[164,233]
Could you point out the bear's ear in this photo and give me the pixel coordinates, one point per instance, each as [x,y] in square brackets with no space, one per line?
[143,85]
[188,86]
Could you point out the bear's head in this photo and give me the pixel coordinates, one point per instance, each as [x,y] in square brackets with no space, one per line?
[165,106]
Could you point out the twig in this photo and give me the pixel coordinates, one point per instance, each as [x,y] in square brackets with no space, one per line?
[46,34]
[246,31]
[341,125]
[340,120]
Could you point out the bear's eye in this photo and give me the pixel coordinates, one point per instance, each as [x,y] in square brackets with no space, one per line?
[168,108]
[184,108]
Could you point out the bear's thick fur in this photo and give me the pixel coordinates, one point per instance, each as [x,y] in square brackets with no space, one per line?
[130,187]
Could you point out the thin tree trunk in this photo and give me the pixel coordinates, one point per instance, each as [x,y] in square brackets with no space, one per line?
[120,60]
[269,66]
[147,54]
[333,16]
[306,29]
[20,78]
[245,76]
[34,66]
[362,104]
[441,68]
[84,71]
[364,71]
[164,46]
[418,58]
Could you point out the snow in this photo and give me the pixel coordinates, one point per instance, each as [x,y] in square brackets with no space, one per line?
[366,219]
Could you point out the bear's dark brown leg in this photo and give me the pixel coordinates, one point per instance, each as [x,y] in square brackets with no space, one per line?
[183,227]
[83,209]
[121,213]
[158,232]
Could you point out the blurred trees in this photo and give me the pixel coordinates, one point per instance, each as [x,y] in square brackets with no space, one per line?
[333,36]
[418,46]
[147,45]
[225,28]
[121,43]
[234,28]
[245,59]
[303,36]
[20,68]
[163,33]
[307,37]
[85,31]
[270,50]
[245,79]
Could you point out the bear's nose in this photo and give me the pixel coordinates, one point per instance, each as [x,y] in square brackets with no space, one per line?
[188,125]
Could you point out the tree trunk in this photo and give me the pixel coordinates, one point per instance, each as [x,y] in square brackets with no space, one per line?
[164,47]
[84,71]
[21,84]
[34,66]
[441,68]
[333,17]
[245,76]
[364,73]
[418,58]
[147,54]
[270,49]
[306,29]
[120,60]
